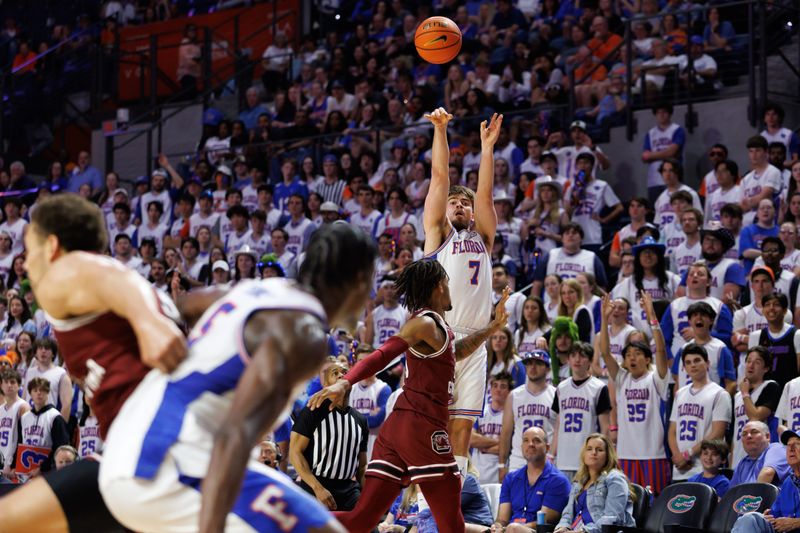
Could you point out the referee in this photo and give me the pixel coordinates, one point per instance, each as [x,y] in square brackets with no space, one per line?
[328,448]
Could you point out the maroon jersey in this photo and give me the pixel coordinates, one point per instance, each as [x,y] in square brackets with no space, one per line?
[430,378]
[101,352]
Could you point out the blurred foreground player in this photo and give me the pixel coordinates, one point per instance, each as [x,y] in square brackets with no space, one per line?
[109,325]
[195,428]
[413,445]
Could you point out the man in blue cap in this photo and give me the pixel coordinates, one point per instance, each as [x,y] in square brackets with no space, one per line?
[784,515]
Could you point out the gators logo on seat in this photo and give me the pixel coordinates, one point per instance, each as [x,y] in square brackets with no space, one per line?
[682,503]
[747,504]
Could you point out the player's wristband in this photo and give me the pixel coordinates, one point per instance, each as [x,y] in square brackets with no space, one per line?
[654,323]
[613,428]
[686,455]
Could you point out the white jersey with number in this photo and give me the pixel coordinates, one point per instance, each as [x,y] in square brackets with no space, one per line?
[364,399]
[37,428]
[464,257]
[526,342]
[641,428]
[489,425]
[173,416]
[9,423]
[740,418]
[90,440]
[680,321]
[387,322]
[717,199]
[693,413]
[752,185]
[714,349]
[298,235]
[530,410]
[788,411]
[368,223]
[617,342]
[685,256]
[577,419]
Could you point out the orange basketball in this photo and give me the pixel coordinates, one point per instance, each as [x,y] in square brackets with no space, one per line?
[438,40]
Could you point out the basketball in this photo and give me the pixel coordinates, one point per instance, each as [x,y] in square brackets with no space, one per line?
[438,40]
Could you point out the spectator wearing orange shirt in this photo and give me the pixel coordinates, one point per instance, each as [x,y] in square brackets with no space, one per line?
[23,57]
[595,83]
[604,43]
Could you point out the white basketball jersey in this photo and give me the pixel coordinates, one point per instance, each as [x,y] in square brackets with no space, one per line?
[526,342]
[52,375]
[617,342]
[627,289]
[530,410]
[684,256]
[714,350]
[387,322]
[9,423]
[788,411]
[568,266]
[464,257]
[364,398]
[90,441]
[577,419]
[36,429]
[680,320]
[368,223]
[488,425]
[740,418]
[187,406]
[783,136]
[197,220]
[718,278]
[157,234]
[234,242]
[693,412]
[297,235]
[718,198]
[641,428]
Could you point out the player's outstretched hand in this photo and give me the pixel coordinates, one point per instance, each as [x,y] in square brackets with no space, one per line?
[439,117]
[161,343]
[333,393]
[490,132]
[500,311]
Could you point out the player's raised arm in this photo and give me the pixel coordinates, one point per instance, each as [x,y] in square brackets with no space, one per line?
[606,309]
[434,215]
[417,330]
[485,215]
[192,305]
[662,366]
[278,362]
[119,290]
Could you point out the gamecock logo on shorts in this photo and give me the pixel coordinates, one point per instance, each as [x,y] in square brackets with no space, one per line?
[440,442]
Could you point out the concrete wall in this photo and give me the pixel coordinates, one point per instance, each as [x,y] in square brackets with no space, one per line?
[719,122]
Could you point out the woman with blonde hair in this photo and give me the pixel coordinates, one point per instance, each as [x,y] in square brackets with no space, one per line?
[547,217]
[572,306]
[600,491]
[501,356]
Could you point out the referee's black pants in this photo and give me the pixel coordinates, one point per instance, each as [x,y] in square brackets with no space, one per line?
[345,492]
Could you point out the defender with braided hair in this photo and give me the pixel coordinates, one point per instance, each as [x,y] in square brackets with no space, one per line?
[413,445]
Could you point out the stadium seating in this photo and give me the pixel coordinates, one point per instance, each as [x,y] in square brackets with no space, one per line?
[683,504]
[741,499]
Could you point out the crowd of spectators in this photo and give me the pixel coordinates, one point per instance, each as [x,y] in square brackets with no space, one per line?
[720,265]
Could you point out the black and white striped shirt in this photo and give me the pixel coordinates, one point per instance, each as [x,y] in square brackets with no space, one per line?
[330,192]
[337,437]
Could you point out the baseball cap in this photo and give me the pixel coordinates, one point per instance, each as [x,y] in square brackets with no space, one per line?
[224,169]
[536,355]
[578,124]
[141,180]
[329,207]
[207,194]
[337,84]
[399,143]
[788,434]
[220,264]
[330,157]
[696,39]
[765,269]
[159,172]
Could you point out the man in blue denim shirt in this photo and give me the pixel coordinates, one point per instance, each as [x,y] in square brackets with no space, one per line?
[538,486]
[785,512]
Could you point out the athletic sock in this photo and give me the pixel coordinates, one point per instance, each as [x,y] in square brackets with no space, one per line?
[461,461]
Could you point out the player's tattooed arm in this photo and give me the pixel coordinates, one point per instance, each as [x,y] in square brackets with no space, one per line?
[467,346]
[286,348]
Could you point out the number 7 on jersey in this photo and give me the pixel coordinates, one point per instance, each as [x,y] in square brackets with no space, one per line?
[476,267]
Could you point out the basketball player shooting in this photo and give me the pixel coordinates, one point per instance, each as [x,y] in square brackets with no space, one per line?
[459,233]
[413,444]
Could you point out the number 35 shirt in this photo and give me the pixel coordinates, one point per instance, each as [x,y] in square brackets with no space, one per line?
[693,413]
[578,404]
[597,195]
